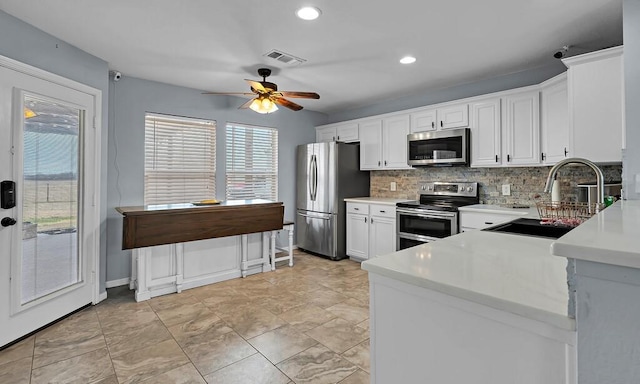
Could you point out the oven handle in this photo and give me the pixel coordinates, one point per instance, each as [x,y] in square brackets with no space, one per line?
[411,212]
[403,235]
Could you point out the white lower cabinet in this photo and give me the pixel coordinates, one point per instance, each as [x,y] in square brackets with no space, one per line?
[446,339]
[371,230]
[480,220]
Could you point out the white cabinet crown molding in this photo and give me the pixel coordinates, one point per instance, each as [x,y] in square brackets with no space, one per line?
[593,56]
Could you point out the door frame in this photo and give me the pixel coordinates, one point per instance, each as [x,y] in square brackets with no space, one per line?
[93,229]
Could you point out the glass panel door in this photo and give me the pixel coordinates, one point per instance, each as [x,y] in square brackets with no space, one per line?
[51,172]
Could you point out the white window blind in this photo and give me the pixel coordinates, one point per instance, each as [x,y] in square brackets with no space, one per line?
[180,159]
[252,163]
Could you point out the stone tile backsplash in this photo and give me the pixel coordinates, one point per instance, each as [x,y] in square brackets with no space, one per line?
[526,182]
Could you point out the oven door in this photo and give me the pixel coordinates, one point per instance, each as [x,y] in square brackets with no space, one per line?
[425,225]
[405,241]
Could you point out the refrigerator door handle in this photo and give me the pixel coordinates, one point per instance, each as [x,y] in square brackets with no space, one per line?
[311,177]
[314,172]
[315,217]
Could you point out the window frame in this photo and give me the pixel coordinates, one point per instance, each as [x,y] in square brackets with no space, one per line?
[233,170]
[192,165]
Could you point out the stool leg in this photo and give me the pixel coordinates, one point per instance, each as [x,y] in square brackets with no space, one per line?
[273,250]
[291,245]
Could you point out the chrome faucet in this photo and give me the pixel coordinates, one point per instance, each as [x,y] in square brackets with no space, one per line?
[577,160]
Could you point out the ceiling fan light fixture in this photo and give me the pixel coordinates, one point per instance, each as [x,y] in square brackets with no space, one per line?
[408,60]
[308,13]
[263,105]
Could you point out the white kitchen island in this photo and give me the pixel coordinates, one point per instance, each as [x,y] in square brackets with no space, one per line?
[478,307]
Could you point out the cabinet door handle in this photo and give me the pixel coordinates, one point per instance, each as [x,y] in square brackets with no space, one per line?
[544,157]
[334,138]
[508,158]
[338,137]
[365,219]
[433,124]
[488,223]
[372,220]
[356,209]
[565,151]
[496,158]
[441,124]
[378,163]
[383,211]
[385,163]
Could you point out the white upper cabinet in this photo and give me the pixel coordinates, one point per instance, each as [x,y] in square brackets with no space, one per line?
[394,142]
[446,117]
[371,145]
[423,121]
[326,134]
[453,116]
[554,124]
[342,132]
[522,128]
[596,105]
[347,132]
[383,143]
[486,133]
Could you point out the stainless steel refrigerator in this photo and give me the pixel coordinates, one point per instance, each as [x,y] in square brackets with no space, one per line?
[326,174]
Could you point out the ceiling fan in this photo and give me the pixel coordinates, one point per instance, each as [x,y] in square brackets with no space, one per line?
[268,95]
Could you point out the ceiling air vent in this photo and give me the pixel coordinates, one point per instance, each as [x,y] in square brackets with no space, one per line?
[284,57]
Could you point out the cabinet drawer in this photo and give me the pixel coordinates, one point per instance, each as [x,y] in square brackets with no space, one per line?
[479,220]
[382,210]
[360,208]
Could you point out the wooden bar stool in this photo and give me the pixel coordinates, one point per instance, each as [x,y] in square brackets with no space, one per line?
[289,227]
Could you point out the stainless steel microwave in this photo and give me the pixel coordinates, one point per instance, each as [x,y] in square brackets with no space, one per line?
[448,147]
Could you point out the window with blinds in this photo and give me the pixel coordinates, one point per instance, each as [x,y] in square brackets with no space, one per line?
[180,159]
[252,163]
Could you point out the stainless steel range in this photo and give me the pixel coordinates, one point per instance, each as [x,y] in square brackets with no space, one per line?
[435,215]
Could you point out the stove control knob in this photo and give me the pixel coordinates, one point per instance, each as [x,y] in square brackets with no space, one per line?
[424,187]
[469,189]
[430,188]
[461,189]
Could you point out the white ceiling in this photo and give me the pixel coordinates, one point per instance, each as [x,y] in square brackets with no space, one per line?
[352,50]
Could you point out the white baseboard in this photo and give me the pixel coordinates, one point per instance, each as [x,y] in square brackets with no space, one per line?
[102,297]
[117,283]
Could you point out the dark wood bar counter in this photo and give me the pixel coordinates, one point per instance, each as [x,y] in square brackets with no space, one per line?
[149,225]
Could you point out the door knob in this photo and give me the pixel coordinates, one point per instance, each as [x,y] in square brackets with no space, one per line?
[8,221]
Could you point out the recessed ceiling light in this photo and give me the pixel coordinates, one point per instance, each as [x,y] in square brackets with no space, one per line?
[408,60]
[308,13]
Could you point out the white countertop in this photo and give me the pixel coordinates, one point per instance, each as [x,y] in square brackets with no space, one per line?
[610,237]
[507,272]
[375,200]
[489,208]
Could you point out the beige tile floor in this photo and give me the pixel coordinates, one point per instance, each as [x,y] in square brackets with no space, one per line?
[306,324]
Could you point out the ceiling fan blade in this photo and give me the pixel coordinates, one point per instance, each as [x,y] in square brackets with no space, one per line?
[302,95]
[256,85]
[247,104]
[229,93]
[286,103]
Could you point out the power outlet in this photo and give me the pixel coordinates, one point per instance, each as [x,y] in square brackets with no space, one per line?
[393,186]
[506,189]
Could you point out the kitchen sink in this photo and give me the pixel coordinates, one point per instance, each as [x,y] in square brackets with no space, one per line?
[530,227]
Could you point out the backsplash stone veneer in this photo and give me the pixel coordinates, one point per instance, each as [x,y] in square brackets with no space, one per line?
[526,182]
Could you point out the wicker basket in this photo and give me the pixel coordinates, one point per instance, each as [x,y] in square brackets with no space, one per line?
[566,213]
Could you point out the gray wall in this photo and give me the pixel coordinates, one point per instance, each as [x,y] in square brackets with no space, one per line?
[496,84]
[131,98]
[22,42]
[631,31]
